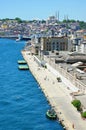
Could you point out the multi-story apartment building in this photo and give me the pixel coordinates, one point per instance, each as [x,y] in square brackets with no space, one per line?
[79,43]
[54,43]
[43,44]
[83,47]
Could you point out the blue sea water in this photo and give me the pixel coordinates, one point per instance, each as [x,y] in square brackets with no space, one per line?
[22,103]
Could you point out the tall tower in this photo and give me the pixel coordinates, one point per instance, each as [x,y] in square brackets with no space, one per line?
[67,17]
[58,15]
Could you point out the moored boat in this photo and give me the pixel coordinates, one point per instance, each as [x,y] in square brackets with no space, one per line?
[23,67]
[51,114]
[22,62]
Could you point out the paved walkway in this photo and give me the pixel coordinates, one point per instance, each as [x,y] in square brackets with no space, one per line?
[57,94]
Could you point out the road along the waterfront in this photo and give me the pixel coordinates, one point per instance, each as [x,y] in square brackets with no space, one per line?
[57,95]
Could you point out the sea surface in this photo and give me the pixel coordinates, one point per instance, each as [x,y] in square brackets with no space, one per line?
[22,104]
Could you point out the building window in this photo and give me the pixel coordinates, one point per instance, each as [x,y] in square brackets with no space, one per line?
[57,46]
[47,46]
[53,46]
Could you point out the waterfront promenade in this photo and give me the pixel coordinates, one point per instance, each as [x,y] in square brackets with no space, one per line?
[57,94]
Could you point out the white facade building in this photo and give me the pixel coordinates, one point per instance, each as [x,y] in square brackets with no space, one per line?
[83,47]
[51,20]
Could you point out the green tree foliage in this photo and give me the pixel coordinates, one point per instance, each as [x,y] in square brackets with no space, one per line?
[43,21]
[18,20]
[76,104]
[69,21]
[83,114]
[82,24]
[6,19]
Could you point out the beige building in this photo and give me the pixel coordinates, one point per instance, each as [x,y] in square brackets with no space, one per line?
[43,44]
[35,45]
[54,43]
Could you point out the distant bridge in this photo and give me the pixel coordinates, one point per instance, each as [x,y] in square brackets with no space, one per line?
[25,38]
[9,36]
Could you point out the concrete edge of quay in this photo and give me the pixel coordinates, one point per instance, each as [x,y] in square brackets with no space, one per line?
[67,125]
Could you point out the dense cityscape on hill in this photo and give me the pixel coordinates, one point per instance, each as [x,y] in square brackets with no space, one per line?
[43,65]
[56,51]
[52,24]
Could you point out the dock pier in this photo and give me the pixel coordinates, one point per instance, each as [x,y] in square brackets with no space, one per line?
[58,96]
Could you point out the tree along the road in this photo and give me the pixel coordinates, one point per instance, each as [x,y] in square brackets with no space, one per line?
[77,104]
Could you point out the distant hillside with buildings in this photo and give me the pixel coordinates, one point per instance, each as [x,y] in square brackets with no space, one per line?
[50,34]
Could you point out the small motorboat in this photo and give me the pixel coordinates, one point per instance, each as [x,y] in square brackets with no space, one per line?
[51,114]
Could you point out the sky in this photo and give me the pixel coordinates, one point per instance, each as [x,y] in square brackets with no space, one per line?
[42,9]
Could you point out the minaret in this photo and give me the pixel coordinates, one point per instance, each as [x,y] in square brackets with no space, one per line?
[67,17]
[58,15]
[64,17]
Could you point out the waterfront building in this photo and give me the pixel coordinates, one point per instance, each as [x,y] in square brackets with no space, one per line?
[35,44]
[41,44]
[54,43]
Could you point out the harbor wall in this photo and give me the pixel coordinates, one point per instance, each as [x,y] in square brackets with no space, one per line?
[67,125]
[57,94]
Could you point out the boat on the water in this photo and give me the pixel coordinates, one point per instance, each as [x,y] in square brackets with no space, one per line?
[23,67]
[51,114]
[22,62]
